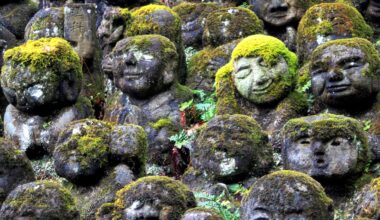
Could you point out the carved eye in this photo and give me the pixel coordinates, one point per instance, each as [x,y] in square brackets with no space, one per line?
[317,72]
[350,65]
[304,141]
[242,72]
[261,62]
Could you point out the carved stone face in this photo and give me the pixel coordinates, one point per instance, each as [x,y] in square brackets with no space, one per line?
[340,76]
[278,12]
[259,82]
[230,147]
[286,195]
[139,70]
[373,9]
[323,147]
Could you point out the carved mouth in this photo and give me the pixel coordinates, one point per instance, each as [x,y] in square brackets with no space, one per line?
[320,163]
[337,88]
[279,14]
[262,89]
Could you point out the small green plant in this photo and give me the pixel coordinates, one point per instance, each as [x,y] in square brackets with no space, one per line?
[181,139]
[377,42]
[367,125]
[224,207]
[340,215]
[244,5]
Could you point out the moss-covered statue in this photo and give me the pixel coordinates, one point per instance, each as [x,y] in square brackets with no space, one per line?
[223,31]
[228,24]
[329,21]
[193,16]
[15,14]
[345,79]
[366,202]
[99,158]
[286,195]
[228,149]
[332,149]
[144,69]
[39,200]
[159,19]
[200,213]
[153,197]
[203,65]
[259,81]
[281,17]
[41,80]
[15,168]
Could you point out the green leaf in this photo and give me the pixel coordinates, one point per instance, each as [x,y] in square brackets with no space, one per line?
[185,105]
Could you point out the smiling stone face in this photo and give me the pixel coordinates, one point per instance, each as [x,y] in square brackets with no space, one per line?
[325,146]
[343,74]
[256,80]
[144,65]
[286,195]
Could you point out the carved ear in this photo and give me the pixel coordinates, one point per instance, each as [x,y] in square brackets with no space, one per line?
[169,73]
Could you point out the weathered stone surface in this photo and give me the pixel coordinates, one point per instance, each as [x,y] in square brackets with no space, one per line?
[47,22]
[228,24]
[39,200]
[80,28]
[279,194]
[153,197]
[15,168]
[329,21]
[325,147]
[201,214]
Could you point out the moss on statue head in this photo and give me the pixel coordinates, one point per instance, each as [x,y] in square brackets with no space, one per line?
[146,20]
[270,49]
[45,54]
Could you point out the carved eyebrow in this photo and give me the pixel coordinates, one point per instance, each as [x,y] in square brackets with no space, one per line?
[349,59]
[243,67]
[260,208]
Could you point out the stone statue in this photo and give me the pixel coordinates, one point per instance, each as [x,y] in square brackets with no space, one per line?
[329,21]
[286,195]
[144,69]
[229,148]
[40,200]
[41,80]
[152,197]
[259,81]
[345,80]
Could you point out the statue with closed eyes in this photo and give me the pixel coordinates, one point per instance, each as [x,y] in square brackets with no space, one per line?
[259,81]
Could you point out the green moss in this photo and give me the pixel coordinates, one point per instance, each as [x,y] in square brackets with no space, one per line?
[370,53]
[180,195]
[185,9]
[182,93]
[228,24]
[106,208]
[270,49]
[84,107]
[144,21]
[36,193]
[326,19]
[45,54]
[162,122]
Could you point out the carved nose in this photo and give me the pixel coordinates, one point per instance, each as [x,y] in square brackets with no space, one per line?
[278,6]
[335,76]
[318,148]
[130,59]
[260,78]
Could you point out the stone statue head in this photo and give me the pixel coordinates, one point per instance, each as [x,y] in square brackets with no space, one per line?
[144,65]
[228,24]
[325,146]
[345,72]
[112,27]
[232,147]
[329,21]
[153,197]
[263,69]
[15,168]
[286,195]
[40,200]
[280,13]
[41,76]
